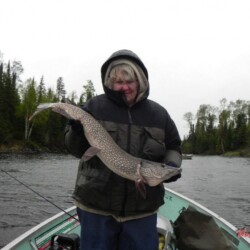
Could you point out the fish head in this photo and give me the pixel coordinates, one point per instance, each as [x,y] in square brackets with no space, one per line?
[155,173]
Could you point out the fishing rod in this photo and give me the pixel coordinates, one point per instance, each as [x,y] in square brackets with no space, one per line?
[28,187]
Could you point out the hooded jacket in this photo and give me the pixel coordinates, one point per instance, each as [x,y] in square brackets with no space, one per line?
[144,130]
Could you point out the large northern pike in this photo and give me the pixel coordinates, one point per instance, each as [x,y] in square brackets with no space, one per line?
[102,145]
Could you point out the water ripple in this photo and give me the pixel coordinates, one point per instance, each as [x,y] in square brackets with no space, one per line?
[219,183]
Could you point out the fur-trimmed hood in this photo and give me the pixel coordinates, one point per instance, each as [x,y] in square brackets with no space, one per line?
[129,57]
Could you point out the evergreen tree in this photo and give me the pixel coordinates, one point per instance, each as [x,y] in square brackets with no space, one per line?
[248,123]
[72,97]
[10,102]
[240,131]
[51,96]
[89,92]
[231,133]
[60,89]
[3,119]
[41,91]
[223,131]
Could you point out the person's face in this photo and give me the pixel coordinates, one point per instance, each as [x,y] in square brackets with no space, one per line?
[129,87]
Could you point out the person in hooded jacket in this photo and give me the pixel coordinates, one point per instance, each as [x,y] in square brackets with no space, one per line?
[113,215]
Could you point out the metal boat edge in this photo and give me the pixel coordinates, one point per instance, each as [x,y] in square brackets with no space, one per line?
[174,204]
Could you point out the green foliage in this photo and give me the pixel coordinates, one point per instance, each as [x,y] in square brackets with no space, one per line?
[60,89]
[41,91]
[19,100]
[9,101]
[89,92]
[218,130]
[213,130]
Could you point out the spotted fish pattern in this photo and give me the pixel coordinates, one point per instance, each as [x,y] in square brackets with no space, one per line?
[103,146]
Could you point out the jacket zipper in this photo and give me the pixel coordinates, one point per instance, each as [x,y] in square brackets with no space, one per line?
[128,150]
[129,130]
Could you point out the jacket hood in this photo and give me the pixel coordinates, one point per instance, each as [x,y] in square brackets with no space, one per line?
[129,56]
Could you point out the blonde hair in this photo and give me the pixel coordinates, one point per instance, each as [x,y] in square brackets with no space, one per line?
[131,71]
[128,74]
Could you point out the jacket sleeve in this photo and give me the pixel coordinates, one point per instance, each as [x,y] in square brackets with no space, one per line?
[173,158]
[173,155]
[75,144]
[173,144]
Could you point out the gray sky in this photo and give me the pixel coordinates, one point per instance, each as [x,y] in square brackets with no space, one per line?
[196,51]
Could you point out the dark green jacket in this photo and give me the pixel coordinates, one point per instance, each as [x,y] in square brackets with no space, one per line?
[144,130]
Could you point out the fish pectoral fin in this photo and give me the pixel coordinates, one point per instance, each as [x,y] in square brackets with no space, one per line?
[139,182]
[89,153]
[140,187]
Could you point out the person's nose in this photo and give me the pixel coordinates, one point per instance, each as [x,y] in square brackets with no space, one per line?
[125,86]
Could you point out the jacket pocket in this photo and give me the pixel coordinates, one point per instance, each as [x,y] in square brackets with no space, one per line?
[154,147]
[95,169]
[111,128]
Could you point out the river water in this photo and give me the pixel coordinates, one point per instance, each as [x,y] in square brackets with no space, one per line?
[221,184]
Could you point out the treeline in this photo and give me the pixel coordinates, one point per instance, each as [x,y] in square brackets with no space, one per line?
[18,100]
[217,130]
[212,130]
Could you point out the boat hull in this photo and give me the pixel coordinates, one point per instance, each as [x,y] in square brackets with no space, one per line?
[39,237]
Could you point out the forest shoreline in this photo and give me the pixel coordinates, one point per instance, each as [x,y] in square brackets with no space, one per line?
[19,147]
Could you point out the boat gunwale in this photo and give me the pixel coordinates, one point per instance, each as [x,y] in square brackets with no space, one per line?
[210,212]
[34,229]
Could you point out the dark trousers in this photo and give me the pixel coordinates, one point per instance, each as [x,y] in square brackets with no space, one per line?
[100,232]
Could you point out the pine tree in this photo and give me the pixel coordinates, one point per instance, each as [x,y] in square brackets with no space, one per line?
[60,89]
[2,106]
[41,91]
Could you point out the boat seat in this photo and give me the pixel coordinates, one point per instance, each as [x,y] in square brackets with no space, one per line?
[165,232]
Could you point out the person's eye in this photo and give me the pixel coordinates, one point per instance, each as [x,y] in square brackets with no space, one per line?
[119,82]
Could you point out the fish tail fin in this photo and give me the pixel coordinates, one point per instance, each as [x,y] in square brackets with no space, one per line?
[41,107]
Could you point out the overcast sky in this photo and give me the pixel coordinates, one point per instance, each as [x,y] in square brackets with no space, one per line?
[197,52]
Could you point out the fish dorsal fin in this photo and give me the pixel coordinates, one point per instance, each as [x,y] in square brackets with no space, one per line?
[89,153]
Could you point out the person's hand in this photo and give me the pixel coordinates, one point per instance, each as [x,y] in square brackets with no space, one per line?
[76,126]
[175,177]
